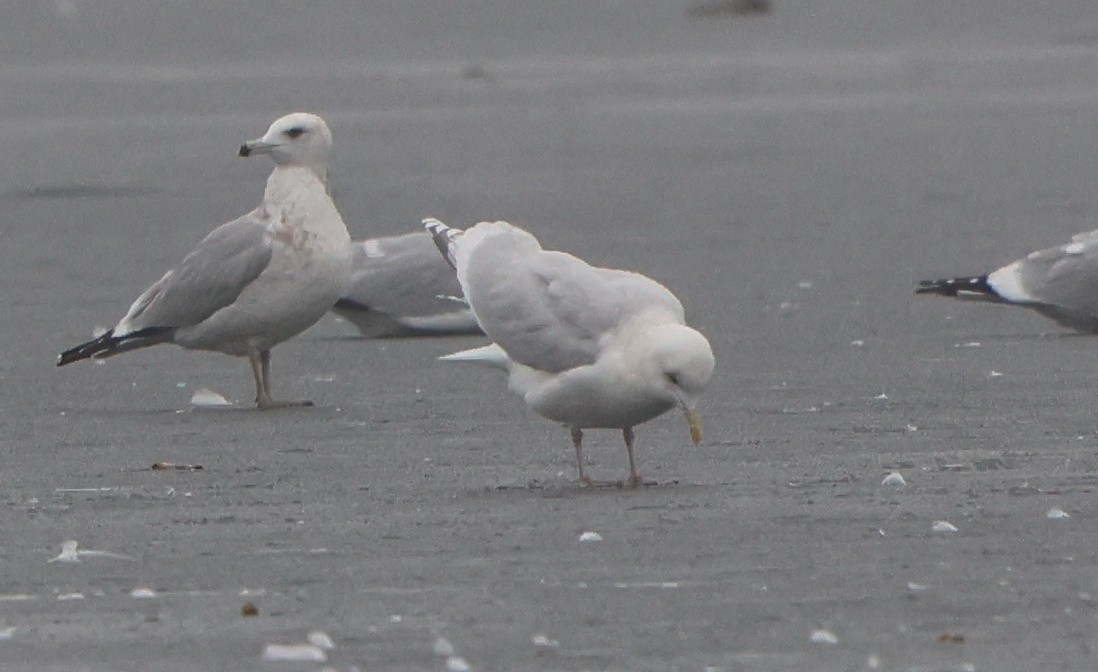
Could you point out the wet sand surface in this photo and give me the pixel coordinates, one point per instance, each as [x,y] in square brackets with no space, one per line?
[789,176]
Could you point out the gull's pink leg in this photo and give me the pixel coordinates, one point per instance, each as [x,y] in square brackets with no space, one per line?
[261,370]
[577,442]
[635,478]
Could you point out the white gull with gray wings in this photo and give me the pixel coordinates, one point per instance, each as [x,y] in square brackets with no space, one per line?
[401,286]
[585,346]
[255,281]
[1060,283]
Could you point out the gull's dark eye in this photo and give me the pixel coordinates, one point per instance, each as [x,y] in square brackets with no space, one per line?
[293,132]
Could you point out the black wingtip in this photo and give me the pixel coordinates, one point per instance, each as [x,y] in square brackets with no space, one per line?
[955,286]
[108,344]
[443,236]
[86,350]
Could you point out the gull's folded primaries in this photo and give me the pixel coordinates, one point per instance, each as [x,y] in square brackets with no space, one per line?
[1060,283]
[255,281]
[401,286]
[585,346]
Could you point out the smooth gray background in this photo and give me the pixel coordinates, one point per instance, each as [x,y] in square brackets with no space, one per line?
[789,176]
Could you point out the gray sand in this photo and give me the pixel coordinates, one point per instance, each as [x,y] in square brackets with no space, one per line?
[788,176]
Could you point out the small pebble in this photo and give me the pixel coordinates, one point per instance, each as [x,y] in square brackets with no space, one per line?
[248,609]
[542,640]
[590,536]
[943,526]
[142,593]
[1056,513]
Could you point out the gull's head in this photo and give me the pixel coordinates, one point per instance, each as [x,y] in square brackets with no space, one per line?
[300,139]
[684,363]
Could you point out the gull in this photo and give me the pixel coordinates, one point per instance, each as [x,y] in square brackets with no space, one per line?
[584,346]
[257,280]
[401,286]
[1060,283]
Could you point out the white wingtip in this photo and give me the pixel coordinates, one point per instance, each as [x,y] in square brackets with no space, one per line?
[489,355]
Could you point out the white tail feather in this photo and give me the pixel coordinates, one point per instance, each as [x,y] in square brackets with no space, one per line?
[488,355]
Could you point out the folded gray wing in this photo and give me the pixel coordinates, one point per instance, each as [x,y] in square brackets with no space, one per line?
[404,276]
[1065,276]
[551,310]
[211,277]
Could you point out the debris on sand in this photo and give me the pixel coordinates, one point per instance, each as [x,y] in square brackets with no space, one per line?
[719,9]
[172,466]
[248,609]
[141,593]
[70,553]
[1056,513]
[590,536]
[295,653]
[542,641]
[943,526]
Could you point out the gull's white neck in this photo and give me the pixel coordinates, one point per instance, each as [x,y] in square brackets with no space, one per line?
[299,197]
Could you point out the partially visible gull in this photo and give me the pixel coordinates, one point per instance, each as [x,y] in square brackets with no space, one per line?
[255,281]
[1060,283]
[401,286]
[585,346]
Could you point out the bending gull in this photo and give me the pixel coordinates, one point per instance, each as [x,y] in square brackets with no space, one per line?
[400,286]
[1060,283]
[255,281]
[585,346]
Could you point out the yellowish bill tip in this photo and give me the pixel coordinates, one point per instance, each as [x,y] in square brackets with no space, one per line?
[693,418]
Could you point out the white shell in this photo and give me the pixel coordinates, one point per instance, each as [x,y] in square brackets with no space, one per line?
[894,478]
[823,637]
[590,536]
[142,593]
[943,526]
[205,398]
[457,664]
[1056,513]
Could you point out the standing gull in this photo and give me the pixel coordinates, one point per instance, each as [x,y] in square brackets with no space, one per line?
[585,346]
[1060,283]
[400,286]
[255,281]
